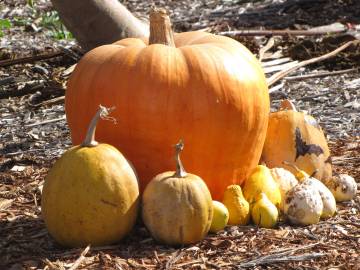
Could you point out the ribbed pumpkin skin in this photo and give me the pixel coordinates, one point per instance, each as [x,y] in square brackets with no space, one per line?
[280,144]
[209,90]
[90,196]
[177,210]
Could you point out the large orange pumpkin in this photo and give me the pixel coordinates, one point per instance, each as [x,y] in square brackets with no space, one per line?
[208,89]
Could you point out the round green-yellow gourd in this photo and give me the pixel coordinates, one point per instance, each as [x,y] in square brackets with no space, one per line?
[177,206]
[91,194]
[220,217]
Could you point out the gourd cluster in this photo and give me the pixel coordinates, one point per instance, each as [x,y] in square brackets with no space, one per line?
[244,163]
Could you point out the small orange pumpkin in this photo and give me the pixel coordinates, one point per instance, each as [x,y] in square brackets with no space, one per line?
[296,137]
[208,89]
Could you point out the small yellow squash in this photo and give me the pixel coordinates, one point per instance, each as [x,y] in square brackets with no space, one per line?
[220,217]
[177,206]
[260,181]
[238,207]
[264,213]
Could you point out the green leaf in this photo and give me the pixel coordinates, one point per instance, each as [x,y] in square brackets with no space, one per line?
[5,24]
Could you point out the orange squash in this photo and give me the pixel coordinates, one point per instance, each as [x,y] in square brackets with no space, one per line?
[297,138]
[210,90]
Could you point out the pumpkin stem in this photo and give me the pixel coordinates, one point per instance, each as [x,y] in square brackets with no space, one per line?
[102,113]
[160,28]
[180,171]
[287,105]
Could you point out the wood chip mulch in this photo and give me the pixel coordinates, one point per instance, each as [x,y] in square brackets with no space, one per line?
[33,134]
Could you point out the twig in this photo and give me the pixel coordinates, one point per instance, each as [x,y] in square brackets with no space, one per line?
[267,47]
[281,74]
[255,32]
[80,259]
[282,256]
[320,74]
[173,259]
[49,102]
[26,90]
[274,259]
[53,266]
[276,88]
[29,59]
[46,122]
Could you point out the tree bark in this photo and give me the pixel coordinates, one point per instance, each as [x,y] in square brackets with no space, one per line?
[97,22]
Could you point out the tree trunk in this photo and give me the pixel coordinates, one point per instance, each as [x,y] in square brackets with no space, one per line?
[97,22]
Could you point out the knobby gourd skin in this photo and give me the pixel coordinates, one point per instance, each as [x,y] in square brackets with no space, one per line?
[209,90]
[302,142]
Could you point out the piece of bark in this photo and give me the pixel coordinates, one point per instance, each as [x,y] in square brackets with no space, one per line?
[97,22]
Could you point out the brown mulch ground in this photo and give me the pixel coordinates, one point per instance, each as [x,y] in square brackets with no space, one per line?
[33,134]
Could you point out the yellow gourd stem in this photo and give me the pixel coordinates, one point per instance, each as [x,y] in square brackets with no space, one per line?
[300,175]
[102,113]
[160,28]
[180,171]
[287,105]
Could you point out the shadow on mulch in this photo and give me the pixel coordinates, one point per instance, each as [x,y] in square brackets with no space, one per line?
[25,243]
[301,12]
[23,240]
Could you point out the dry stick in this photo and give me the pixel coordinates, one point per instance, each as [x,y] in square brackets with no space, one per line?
[267,47]
[80,259]
[29,59]
[272,259]
[46,122]
[282,256]
[320,74]
[49,102]
[277,76]
[280,32]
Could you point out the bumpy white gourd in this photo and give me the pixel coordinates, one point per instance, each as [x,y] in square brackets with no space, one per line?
[303,205]
[342,187]
[285,180]
[328,199]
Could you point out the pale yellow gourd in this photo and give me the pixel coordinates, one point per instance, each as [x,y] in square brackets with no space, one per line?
[220,217]
[238,207]
[264,213]
[91,194]
[260,181]
[343,187]
[285,180]
[177,206]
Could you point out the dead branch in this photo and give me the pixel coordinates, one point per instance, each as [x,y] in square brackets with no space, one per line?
[281,74]
[252,32]
[272,259]
[29,59]
[320,74]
